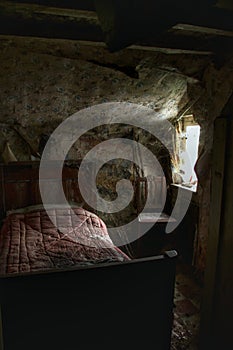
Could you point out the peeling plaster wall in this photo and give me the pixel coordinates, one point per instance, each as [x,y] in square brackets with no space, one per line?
[42,82]
[42,85]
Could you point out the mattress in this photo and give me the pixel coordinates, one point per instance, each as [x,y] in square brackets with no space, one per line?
[29,241]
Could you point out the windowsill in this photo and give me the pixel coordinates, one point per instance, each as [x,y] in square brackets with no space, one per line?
[192,188]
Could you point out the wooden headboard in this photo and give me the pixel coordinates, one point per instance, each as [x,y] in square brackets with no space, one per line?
[19,184]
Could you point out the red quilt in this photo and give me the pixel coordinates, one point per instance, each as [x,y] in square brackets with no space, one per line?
[30,241]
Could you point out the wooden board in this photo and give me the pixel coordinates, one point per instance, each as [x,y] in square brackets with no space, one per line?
[128,304]
[155,217]
[214,228]
[19,184]
[223,305]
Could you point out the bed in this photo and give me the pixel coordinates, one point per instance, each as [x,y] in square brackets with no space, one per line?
[75,289]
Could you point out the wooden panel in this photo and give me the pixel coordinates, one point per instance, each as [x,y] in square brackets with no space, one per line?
[48,22]
[223,304]
[71,190]
[215,231]
[155,217]
[91,308]
[75,4]
[157,189]
[35,192]
[20,184]
[17,195]
[19,173]
[146,23]
[2,192]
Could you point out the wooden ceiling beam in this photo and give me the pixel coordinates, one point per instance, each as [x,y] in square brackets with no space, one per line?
[193,29]
[218,45]
[213,17]
[88,5]
[48,22]
[124,24]
[101,44]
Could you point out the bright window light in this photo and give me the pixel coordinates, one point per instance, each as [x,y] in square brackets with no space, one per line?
[187,143]
[187,164]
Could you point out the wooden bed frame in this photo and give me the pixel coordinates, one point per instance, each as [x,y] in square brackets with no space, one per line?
[125,305]
[19,184]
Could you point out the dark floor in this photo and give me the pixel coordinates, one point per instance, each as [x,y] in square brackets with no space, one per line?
[187,309]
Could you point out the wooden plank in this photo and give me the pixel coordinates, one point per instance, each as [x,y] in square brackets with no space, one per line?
[200,29]
[169,50]
[27,11]
[56,306]
[48,22]
[99,44]
[184,40]
[212,17]
[2,195]
[154,217]
[63,23]
[21,184]
[73,4]
[223,304]
[218,171]
[146,23]
[18,195]
[157,189]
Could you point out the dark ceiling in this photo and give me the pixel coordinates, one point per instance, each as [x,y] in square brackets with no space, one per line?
[200,25]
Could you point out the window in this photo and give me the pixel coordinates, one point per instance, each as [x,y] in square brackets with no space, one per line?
[186,153]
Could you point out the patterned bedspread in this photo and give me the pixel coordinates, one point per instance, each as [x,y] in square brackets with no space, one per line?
[30,241]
